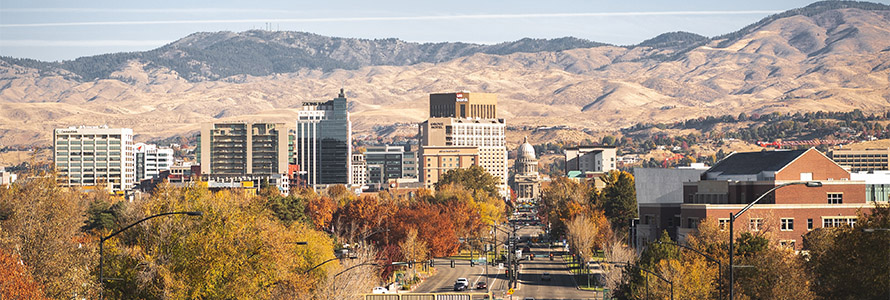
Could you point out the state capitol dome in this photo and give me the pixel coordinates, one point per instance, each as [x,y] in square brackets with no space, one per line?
[526,151]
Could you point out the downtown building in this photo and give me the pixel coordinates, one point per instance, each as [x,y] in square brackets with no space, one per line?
[95,157]
[151,160]
[526,179]
[322,143]
[385,163]
[233,153]
[789,212]
[588,161]
[460,122]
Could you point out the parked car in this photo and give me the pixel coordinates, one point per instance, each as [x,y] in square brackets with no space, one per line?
[545,276]
[379,290]
[481,285]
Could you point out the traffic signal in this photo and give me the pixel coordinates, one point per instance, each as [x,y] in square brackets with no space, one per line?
[411,264]
[472,263]
[452,263]
[431,263]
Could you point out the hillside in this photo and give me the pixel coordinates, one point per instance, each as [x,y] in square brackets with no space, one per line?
[829,56]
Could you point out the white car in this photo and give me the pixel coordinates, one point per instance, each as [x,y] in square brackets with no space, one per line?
[379,290]
[464,281]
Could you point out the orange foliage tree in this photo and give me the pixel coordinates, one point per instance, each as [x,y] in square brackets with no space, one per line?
[15,280]
[321,211]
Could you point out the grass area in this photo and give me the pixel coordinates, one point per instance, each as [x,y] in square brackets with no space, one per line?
[581,273]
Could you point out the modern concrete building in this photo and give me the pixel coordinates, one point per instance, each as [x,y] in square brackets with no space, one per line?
[591,159]
[243,148]
[390,162]
[323,142]
[464,105]
[526,180]
[791,211]
[98,156]
[151,160]
[438,160]
[659,196]
[872,159]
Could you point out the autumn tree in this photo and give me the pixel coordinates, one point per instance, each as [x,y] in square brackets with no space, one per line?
[43,227]
[838,254]
[16,281]
[618,199]
[474,178]
[562,199]
[320,210]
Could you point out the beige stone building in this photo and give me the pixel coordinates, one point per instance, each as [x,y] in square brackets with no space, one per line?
[872,159]
[436,161]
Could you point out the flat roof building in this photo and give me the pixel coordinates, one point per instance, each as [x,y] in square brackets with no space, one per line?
[871,159]
[591,159]
[95,156]
[243,148]
[464,105]
[323,142]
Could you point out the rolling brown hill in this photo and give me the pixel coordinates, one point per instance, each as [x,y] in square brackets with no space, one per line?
[826,57]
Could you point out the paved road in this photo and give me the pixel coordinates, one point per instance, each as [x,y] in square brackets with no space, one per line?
[443,280]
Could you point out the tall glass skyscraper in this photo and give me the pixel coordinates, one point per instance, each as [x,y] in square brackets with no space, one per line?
[323,142]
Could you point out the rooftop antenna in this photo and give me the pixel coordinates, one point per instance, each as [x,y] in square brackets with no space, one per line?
[342,94]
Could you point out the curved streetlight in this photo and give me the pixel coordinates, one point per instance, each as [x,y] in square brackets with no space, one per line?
[733,216]
[708,257]
[103,239]
[650,272]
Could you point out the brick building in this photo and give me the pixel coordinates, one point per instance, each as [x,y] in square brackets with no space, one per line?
[789,212]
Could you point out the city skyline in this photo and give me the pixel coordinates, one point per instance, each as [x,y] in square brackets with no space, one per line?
[58,30]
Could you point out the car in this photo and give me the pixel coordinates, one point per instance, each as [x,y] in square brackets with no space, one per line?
[545,276]
[379,290]
[460,286]
[481,285]
[463,280]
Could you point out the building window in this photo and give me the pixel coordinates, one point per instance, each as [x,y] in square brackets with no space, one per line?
[755,224]
[787,224]
[723,223]
[835,198]
[809,224]
[829,222]
[787,243]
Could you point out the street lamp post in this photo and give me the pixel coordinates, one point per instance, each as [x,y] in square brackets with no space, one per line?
[103,239]
[734,216]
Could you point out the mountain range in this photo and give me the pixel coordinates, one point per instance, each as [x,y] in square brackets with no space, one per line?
[830,56]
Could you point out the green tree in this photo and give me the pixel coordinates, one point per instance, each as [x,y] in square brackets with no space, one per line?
[618,199]
[474,178]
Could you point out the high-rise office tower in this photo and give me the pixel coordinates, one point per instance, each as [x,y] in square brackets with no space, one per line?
[465,119]
[95,156]
[323,142]
[243,148]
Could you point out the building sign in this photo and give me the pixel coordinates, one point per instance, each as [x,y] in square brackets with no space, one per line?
[461,97]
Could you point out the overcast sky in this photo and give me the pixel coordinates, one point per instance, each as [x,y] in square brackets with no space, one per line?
[66,29]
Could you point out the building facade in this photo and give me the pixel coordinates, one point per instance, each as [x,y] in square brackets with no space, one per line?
[659,197]
[464,105]
[243,148]
[151,160]
[438,160]
[388,162]
[99,157]
[323,142]
[872,159]
[487,135]
[526,180]
[591,159]
[359,170]
[789,212]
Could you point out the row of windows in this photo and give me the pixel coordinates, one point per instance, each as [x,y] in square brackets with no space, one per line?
[785,224]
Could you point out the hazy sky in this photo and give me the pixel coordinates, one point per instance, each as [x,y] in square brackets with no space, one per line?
[66,29]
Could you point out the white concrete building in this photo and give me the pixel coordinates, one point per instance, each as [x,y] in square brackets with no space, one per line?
[97,156]
[359,170]
[151,160]
[487,135]
[591,159]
